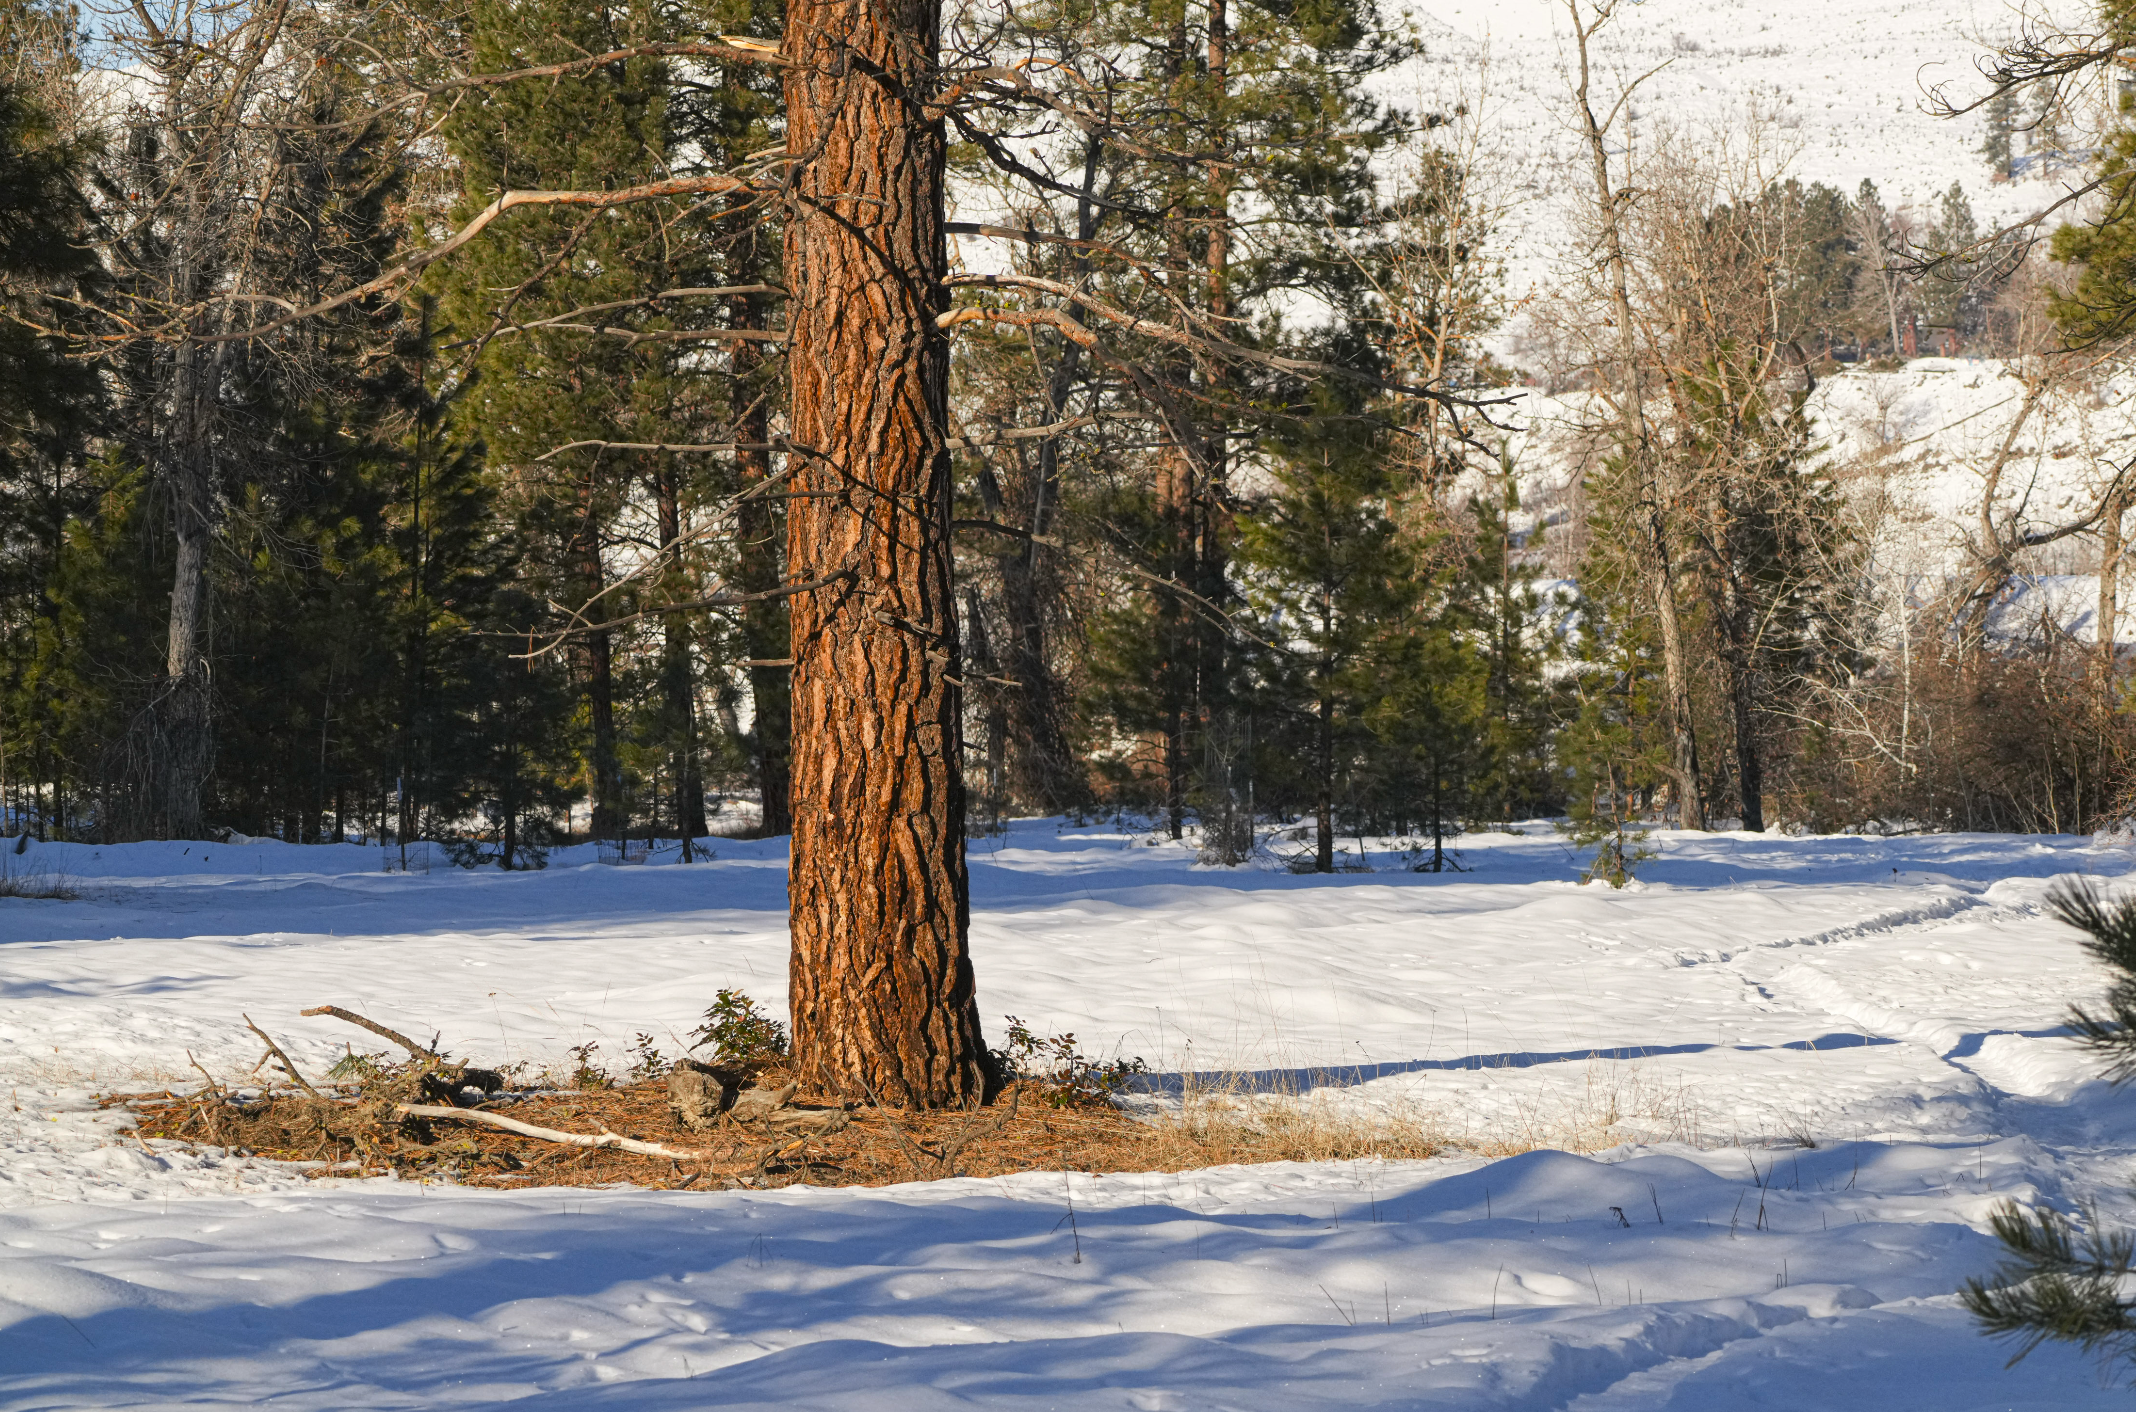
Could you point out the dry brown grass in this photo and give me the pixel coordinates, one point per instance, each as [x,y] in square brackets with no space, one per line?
[349,1135]
[1211,1123]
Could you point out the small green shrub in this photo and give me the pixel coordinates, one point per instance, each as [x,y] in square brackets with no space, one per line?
[586,1070]
[361,1068]
[648,1063]
[737,1030]
[1056,1072]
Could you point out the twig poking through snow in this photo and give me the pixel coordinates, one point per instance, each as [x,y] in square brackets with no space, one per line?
[289,1065]
[430,1056]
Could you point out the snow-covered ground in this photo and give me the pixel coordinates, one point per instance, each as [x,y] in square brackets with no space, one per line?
[1895,1002]
[1839,89]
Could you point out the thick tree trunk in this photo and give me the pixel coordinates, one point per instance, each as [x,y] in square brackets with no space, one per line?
[881,988]
[765,630]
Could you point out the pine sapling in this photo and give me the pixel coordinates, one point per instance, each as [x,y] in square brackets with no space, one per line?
[2063,1279]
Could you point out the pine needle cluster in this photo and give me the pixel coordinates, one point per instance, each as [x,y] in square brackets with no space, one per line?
[2058,1282]
[2063,1279]
[2110,935]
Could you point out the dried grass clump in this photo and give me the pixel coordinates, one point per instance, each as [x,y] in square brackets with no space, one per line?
[1213,1135]
[1616,1103]
[35,880]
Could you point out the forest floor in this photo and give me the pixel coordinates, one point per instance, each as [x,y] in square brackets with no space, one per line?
[1759,1107]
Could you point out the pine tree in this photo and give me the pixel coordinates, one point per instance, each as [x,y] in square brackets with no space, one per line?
[1513,774]
[2102,305]
[1996,147]
[1241,109]
[2064,1279]
[1334,580]
[50,408]
[1949,297]
[546,400]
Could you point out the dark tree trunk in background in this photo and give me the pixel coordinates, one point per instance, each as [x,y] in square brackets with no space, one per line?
[677,676]
[881,976]
[1324,777]
[1750,764]
[172,745]
[765,630]
[597,664]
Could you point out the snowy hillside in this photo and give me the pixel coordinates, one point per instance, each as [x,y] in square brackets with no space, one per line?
[1895,1002]
[1843,81]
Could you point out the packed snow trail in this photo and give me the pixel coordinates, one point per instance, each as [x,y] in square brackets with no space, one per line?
[1895,1001]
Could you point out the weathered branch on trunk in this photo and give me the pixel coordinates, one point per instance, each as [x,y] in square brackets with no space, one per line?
[991,435]
[694,605]
[996,527]
[1211,344]
[179,325]
[733,49]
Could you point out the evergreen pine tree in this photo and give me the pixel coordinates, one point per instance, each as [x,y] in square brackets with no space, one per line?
[544,400]
[1335,582]
[2102,305]
[2067,1279]
[1241,109]
[2002,118]
[1513,774]
[50,408]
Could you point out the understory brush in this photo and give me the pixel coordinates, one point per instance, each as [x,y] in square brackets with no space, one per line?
[33,877]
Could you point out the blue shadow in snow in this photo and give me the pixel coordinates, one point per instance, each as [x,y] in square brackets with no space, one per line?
[1349,1075]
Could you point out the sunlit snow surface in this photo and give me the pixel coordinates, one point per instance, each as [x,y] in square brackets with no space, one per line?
[1895,1000]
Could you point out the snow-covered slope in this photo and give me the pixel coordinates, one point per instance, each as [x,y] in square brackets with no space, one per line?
[1895,1001]
[1843,84]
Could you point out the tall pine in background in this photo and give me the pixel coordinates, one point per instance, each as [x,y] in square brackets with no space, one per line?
[524,309]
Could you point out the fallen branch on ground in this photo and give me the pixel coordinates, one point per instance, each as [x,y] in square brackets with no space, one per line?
[512,1125]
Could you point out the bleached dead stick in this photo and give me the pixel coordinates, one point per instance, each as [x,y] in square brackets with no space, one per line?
[513,1125]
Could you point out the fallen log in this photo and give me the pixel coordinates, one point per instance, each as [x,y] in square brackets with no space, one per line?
[482,1118]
